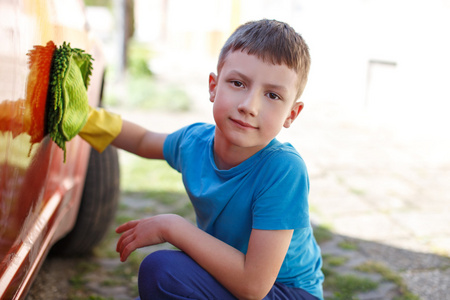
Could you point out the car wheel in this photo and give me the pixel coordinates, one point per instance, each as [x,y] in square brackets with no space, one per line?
[98,204]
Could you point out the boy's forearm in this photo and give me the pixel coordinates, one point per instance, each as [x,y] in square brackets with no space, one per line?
[223,262]
[249,276]
[140,141]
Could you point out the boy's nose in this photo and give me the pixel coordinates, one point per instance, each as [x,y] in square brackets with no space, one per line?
[249,105]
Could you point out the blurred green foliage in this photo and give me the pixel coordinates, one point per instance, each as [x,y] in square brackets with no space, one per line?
[141,88]
[107,3]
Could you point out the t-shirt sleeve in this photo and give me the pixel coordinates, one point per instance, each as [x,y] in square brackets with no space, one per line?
[281,202]
[182,138]
[171,148]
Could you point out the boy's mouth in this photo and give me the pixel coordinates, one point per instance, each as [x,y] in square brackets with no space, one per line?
[243,124]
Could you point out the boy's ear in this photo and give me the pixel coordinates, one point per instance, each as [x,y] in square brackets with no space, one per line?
[212,86]
[293,114]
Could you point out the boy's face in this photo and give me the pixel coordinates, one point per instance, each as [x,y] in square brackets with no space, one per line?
[253,100]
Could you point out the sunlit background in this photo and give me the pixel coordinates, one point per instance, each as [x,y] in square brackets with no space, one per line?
[387,59]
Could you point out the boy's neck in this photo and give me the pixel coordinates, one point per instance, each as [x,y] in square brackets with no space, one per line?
[229,156]
[226,162]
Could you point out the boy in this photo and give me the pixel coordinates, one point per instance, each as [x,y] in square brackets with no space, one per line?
[249,191]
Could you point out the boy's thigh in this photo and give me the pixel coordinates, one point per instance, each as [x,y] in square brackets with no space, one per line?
[282,292]
[172,274]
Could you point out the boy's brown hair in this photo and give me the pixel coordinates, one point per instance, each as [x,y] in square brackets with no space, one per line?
[272,41]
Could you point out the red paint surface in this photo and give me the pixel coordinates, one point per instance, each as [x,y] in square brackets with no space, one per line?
[39,194]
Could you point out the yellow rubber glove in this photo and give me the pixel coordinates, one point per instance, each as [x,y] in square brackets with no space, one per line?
[101,128]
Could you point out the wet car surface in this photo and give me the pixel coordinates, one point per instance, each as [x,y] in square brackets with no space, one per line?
[42,198]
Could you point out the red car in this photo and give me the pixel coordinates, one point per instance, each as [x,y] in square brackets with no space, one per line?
[44,201]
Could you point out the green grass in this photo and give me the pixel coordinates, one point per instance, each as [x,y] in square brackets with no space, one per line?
[348,245]
[78,281]
[139,88]
[388,275]
[322,233]
[145,92]
[128,270]
[82,268]
[346,285]
[334,261]
[154,177]
[357,192]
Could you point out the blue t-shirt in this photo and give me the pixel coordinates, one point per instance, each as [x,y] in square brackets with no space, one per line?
[268,191]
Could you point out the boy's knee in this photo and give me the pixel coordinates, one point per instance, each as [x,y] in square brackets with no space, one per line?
[166,274]
[154,265]
[159,275]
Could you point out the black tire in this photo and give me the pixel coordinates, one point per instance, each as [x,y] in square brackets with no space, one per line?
[98,204]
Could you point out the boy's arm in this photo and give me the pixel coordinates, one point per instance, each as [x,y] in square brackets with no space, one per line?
[140,141]
[249,276]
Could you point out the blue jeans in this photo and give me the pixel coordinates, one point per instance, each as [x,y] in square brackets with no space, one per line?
[171,274]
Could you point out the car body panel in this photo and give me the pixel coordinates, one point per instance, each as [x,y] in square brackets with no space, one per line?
[39,193]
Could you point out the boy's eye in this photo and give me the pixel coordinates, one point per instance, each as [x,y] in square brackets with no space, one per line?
[273,96]
[237,83]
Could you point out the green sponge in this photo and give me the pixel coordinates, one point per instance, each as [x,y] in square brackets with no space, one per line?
[67,103]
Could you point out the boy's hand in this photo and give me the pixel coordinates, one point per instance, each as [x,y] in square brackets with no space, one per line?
[145,232]
[101,128]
